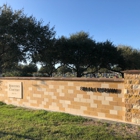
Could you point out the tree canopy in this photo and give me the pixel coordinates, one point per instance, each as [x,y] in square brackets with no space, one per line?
[20,36]
[24,38]
[77,52]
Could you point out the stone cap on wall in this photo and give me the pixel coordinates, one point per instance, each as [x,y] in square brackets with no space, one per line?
[131,71]
[65,79]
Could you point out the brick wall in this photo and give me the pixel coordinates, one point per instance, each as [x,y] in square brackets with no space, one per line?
[91,97]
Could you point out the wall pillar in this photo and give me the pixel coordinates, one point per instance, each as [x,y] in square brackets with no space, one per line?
[132,95]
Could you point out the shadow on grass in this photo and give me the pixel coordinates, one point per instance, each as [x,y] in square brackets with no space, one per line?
[6,134]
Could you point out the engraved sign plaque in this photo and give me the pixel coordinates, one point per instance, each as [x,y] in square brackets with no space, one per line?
[15,89]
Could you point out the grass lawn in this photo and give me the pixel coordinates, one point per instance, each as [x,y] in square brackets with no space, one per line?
[25,124]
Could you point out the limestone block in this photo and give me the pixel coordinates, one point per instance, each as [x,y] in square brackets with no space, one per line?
[61,87]
[83,108]
[105,102]
[77,87]
[109,98]
[51,86]
[138,121]
[115,112]
[93,105]
[101,98]
[30,88]
[136,106]
[70,91]
[125,91]
[117,108]
[79,96]
[62,94]
[37,95]
[104,85]
[67,102]
[101,114]
[77,99]
[136,87]
[120,86]
[134,120]
[70,84]
[33,101]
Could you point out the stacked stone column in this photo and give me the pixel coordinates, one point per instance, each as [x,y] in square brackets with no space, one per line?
[132,96]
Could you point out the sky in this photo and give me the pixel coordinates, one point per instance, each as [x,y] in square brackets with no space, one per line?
[114,20]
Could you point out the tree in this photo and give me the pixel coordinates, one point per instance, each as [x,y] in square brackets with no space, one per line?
[28,70]
[22,70]
[76,52]
[131,57]
[47,70]
[63,70]
[108,56]
[20,36]
[47,57]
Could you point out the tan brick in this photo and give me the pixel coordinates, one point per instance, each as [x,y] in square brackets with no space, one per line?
[54,97]
[83,100]
[113,95]
[115,112]
[113,86]
[93,105]
[77,99]
[43,103]
[117,108]
[92,113]
[80,112]
[105,94]
[109,107]
[75,106]
[105,102]
[61,87]
[100,106]
[101,114]
[94,97]
[61,109]
[120,86]
[73,111]
[109,98]
[86,112]
[86,96]
[33,101]
[30,88]
[111,116]
[37,95]
[97,94]
[79,96]
[121,104]
[70,91]
[83,108]
[102,98]
[121,113]
[104,110]
[125,91]
[70,84]
[97,102]
[116,99]
[120,95]
[51,86]
[67,102]
[104,85]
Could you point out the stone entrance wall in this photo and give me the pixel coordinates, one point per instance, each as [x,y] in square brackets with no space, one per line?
[104,98]
[91,97]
